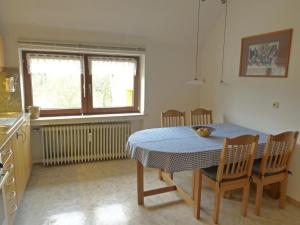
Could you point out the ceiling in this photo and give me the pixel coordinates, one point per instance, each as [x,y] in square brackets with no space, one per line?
[166,19]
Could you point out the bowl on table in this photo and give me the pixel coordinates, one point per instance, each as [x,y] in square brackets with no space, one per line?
[204,131]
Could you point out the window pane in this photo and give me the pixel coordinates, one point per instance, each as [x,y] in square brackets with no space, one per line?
[56,81]
[112,82]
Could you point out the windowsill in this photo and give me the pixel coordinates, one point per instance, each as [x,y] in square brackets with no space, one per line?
[60,120]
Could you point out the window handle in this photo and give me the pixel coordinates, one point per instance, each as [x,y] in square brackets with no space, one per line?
[90,88]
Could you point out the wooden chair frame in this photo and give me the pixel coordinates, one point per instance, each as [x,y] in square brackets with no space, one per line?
[201,116]
[276,160]
[172,118]
[234,170]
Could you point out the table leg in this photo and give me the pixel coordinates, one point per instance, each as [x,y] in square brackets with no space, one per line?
[140,182]
[197,174]
[193,185]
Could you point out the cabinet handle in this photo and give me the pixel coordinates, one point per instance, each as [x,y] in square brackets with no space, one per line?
[23,134]
[8,183]
[11,196]
[13,209]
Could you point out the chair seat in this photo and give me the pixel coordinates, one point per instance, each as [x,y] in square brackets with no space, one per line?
[212,171]
[256,166]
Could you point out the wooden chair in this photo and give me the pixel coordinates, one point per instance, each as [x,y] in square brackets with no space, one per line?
[234,170]
[201,117]
[172,118]
[273,167]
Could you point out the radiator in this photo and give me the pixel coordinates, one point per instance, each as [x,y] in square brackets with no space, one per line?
[64,144]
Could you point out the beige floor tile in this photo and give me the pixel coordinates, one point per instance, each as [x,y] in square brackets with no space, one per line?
[105,193]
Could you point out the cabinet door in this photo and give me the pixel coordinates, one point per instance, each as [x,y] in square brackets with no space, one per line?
[23,158]
[25,144]
[19,167]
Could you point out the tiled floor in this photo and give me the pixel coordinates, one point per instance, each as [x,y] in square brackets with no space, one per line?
[105,193]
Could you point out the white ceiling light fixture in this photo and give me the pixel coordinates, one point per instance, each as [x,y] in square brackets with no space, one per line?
[222,82]
[197,81]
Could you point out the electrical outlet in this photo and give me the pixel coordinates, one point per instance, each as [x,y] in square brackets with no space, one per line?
[275,104]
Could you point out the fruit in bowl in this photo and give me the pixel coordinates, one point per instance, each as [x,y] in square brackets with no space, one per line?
[204,131]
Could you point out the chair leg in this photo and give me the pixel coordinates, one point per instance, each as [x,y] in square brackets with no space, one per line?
[160,174]
[217,205]
[245,198]
[258,200]
[172,175]
[283,190]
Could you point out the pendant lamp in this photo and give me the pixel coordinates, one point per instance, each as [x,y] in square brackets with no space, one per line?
[222,82]
[197,81]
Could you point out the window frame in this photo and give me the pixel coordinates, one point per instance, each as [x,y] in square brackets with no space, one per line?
[86,86]
[108,110]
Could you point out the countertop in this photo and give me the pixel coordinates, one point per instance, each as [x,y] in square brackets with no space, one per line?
[4,138]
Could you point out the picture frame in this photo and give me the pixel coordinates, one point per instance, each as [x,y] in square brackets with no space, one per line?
[266,55]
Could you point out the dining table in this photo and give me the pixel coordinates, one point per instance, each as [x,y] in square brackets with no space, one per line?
[176,149]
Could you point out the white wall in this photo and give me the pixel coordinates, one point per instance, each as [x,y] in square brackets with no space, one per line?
[166,28]
[248,101]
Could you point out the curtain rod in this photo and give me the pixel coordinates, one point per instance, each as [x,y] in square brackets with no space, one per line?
[79,46]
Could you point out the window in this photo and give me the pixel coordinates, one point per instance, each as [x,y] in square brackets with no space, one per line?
[71,83]
[113,83]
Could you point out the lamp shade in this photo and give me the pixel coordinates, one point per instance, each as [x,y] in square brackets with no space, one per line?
[196,81]
[1,54]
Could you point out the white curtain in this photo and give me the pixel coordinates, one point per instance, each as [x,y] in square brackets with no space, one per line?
[124,67]
[54,64]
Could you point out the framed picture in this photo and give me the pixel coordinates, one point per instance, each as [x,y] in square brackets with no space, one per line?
[266,55]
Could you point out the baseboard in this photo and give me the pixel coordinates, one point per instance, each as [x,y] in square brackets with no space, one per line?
[293,201]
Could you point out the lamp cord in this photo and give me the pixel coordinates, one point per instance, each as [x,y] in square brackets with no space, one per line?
[224,41]
[197,42]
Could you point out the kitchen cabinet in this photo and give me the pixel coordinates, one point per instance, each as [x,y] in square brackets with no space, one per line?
[16,157]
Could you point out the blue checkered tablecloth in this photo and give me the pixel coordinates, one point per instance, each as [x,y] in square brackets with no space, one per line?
[176,149]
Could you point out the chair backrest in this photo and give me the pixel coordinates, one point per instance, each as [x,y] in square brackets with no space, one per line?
[172,118]
[201,117]
[278,152]
[237,157]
